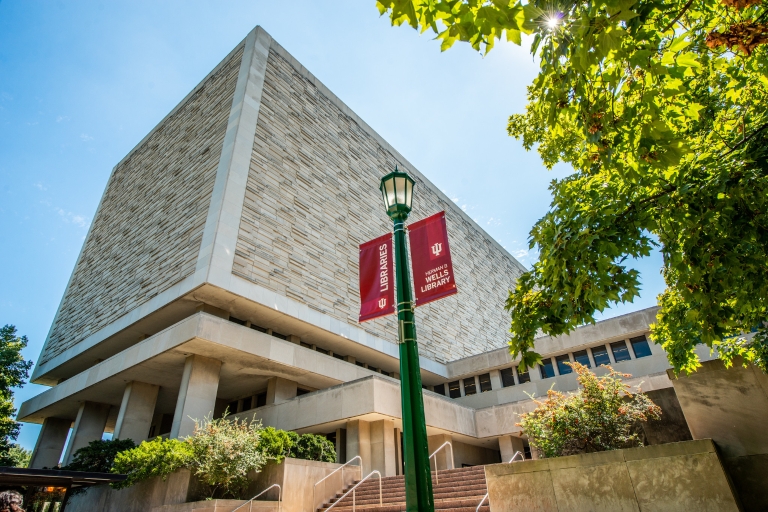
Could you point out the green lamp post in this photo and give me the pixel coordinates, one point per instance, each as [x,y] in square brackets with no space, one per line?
[397,191]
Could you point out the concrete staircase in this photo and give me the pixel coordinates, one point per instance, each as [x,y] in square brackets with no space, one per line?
[459,490]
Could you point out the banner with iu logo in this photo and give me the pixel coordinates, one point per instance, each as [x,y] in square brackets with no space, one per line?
[431,259]
[377,278]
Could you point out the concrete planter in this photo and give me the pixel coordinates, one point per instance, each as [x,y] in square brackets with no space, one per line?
[730,406]
[219,506]
[675,477]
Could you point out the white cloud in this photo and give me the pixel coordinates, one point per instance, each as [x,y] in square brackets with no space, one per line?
[39,186]
[62,118]
[78,220]
[85,137]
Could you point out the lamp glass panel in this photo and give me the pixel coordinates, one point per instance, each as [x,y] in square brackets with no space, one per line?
[389,190]
[408,193]
[400,190]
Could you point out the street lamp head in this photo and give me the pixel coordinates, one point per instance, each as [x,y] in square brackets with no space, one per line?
[397,191]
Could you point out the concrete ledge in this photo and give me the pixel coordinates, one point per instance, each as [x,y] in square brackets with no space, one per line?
[673,477]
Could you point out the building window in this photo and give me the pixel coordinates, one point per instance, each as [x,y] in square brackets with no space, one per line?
[321,350]
[620,351]
[485,382]
[373,368]
[280,336]
[546,368]
[469,386]
[601,356]
[360,363]
[300,391]
[257,328]
[237,320]
[305,345]
[640,346]
[562,367]
[454,390]
[233,407]
[523,377]
[440,389]
[338,356]
[582,357]
[260,400]
[507,377]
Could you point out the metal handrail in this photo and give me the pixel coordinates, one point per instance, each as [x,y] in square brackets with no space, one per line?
[352,490]
[488,493]
[481,502]
[437,481]
[333,472]
[250,501]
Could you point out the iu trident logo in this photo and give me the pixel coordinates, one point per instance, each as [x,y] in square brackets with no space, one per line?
[382,303]
[437,249]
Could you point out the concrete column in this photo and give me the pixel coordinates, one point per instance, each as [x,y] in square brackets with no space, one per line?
[359,442]
[341,445]
[294,339]
[398,451]
[197,395]
[89,426]
[443,458]
[496,379]
[383,457]
[280,390]
[136,411]
[50,443]
[610,353]
[508,445]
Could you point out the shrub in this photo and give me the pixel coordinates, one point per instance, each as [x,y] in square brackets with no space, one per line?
[18,456]
[314,447]
[277,444]
[159,457]
[225,451]
[601,416]
[99,455]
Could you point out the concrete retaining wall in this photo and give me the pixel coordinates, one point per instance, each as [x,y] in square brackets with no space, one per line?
[730,406]
[675,477]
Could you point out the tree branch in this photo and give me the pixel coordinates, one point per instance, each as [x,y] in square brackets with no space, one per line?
[680,15]
[744,141]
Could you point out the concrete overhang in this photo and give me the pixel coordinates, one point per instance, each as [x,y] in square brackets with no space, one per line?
[249,357]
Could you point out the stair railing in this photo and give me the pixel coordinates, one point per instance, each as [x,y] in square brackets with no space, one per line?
[250,501]
[352,490]
[522,457]
[333,472]
[447,443]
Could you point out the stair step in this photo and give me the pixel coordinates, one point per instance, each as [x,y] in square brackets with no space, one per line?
[400,494]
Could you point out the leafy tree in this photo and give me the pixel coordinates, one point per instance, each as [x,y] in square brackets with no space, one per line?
[277,444]
[602,415]
[158,457]
[19,456]
[14,371]
[661,109]
[98,456]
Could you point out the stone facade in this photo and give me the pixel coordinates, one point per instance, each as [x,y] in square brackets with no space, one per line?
[146,233]
[311,200]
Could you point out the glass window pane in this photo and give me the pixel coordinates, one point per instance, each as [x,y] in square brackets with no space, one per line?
[582,357]
[469,386]
[389,187]
[485,382]
[620,351]
[523,377]
[640,346]
[547,370]
[507,377]
[440,389]
[563,368]
[408,193]
[261,399]
[454,390]
[601,355]
[400,190]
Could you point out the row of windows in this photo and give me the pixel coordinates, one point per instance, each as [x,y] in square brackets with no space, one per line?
[309,346]
[512,375]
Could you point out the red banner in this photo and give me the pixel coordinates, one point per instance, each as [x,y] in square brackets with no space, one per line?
[431,259]
[377,278]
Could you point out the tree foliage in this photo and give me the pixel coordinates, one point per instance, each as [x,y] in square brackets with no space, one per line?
[660,108]
[603,415]
[158,457]
[99,455]
[14,371]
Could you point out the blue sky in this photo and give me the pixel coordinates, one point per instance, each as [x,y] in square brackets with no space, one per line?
[82,82]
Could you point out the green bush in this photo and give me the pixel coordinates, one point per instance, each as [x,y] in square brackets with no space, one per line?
[602,415]
[277,444]
[99,455]
[159,457]
[314,447]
